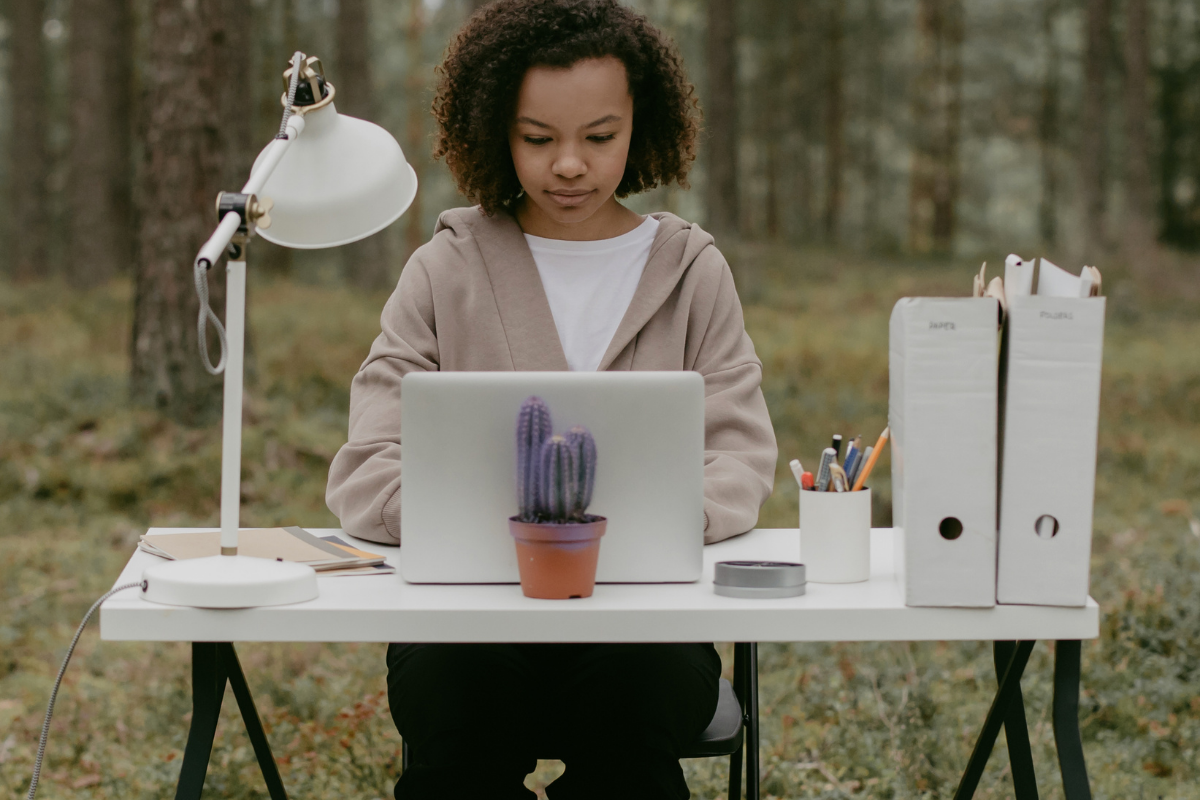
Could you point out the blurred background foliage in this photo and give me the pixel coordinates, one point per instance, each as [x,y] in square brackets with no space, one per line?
[873,149]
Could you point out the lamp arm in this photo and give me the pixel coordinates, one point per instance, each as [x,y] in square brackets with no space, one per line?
[216,244]
[273,155]
[289,129]
[227,228]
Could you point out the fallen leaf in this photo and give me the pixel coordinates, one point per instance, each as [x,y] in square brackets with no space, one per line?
[86,780]
[1176,506]
[6,747]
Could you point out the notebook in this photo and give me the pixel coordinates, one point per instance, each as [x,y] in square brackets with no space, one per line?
[325,554]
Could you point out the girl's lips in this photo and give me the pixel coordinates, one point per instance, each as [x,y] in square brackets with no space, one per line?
[570,200]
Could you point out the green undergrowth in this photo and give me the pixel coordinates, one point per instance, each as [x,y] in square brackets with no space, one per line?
[83,473]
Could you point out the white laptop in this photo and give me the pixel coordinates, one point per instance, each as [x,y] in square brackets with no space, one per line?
[459,471]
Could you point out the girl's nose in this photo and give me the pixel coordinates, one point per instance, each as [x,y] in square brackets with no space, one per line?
[568,165]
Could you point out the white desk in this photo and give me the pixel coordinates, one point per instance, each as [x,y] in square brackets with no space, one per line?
[383,608]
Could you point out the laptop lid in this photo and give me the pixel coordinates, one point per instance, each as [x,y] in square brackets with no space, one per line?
[459,471]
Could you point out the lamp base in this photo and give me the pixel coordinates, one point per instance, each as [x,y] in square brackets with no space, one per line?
[229,582]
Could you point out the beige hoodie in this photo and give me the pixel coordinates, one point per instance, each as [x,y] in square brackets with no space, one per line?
[471,299]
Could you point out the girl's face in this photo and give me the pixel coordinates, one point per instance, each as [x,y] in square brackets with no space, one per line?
[569,142]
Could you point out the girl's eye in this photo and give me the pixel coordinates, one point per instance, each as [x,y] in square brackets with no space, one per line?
[606,138]
[536,139]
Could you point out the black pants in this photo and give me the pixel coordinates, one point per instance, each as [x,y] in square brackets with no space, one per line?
[478,716]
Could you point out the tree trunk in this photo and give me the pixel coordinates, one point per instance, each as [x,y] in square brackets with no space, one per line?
[1139,221]
[416,146]
[366,261]
[835,115]
[722,194]
[1093,144]
[1177,197]
[937,111]
[101,218]
[770,124]
[28,163]
[872,47]
[279,17]
[1048,130]
[803,41]
[772,198]
[195,121]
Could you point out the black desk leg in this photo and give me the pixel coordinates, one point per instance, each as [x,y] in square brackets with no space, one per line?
[208,689]
[258,737]
[745,685]
[1016,731]
[1066,721]
[752,772]
[1009,685]
[212,664]
[735,760]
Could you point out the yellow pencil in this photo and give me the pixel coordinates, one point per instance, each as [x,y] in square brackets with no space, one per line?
[866,470]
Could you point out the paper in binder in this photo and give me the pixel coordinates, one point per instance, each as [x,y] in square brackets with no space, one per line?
[1050,413]
[942,410]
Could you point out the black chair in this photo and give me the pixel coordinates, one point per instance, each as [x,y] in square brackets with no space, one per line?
[733,726]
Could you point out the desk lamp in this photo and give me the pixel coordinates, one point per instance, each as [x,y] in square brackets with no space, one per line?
[343,181]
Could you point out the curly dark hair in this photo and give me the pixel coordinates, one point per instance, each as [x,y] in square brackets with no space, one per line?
[486,62]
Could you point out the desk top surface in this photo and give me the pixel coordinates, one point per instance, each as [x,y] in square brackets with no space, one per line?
[383,608]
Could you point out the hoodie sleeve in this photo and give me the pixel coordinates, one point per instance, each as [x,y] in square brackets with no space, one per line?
[364,478]
[739,442]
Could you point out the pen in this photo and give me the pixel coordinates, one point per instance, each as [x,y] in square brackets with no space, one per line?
[862,459]
[852,456]
[797,470]
[866,470]
[823,473]
[806,481]
[837,446]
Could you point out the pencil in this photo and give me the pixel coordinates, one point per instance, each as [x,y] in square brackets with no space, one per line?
[866,470]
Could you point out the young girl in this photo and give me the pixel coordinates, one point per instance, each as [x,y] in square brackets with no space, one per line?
[549,111]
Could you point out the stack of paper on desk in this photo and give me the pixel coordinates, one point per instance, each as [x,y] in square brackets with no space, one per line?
[328,555]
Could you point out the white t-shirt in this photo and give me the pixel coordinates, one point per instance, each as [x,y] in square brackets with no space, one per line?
[589,286]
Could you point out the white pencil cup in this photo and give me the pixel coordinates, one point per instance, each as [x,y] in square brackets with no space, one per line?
[835,536]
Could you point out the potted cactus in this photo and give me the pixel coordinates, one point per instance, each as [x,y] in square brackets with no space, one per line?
[558,542]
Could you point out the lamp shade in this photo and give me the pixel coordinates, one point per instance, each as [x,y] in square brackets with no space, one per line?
[341,180]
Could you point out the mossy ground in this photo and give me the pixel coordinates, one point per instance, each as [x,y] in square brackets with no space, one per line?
[82,474]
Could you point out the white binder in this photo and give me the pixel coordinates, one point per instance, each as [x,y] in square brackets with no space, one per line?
[943,364]
[1050,413]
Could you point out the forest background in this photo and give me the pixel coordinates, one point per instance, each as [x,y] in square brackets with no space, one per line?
[854,152]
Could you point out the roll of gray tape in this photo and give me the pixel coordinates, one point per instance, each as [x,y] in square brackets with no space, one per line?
[758,578]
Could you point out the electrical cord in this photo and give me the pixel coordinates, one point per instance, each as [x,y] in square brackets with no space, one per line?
[37,764]
[200,271]
[206,313]
[293,82]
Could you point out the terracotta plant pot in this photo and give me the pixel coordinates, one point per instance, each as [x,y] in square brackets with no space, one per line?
[557,561]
